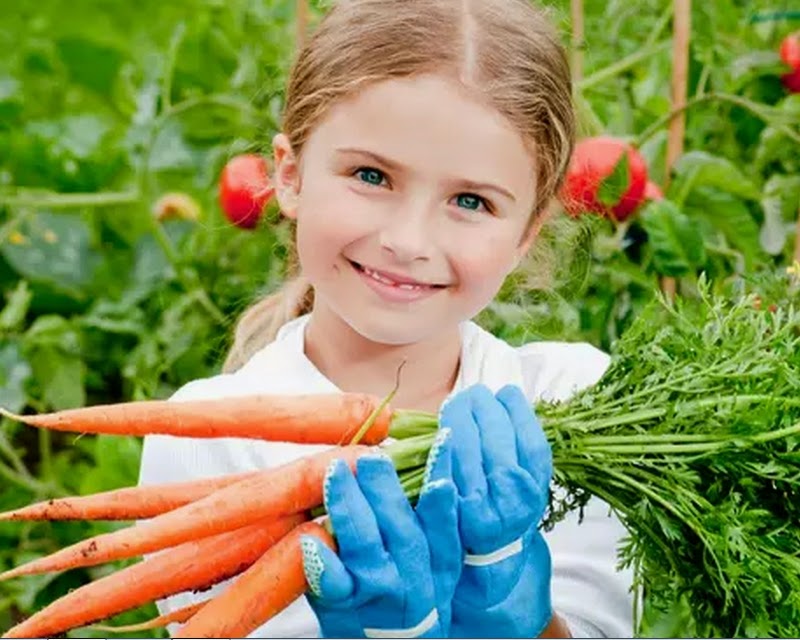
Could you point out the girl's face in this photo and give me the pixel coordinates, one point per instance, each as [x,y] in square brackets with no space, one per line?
[411,200]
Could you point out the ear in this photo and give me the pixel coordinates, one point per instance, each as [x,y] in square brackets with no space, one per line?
[287,175]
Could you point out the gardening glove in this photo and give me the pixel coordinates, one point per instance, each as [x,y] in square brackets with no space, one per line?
[397,566]
[502,467]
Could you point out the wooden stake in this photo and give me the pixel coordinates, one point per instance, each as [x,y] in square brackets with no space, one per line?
[576,8]
[681,30]
[301,22]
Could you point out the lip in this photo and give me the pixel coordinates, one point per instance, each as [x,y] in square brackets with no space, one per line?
[394,292]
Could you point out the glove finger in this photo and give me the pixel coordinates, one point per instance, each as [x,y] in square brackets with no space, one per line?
[394,515]
[533,449]
[519,501]
[353,521]
[437,511]
[327,578]
[439,465]
[498,440]
[468,474]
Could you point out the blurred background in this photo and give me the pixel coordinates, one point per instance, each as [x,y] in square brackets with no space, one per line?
[121,275]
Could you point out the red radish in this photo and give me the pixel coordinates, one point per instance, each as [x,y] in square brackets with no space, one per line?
[790,50]
[791,80]
[652,191]
[244,189]
[591,165]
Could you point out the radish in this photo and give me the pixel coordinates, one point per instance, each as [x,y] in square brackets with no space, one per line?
[790,50]
[245,189]
[598,180]
[791,80]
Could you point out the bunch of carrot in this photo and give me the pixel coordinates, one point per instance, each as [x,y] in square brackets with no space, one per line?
[245,525]
[690,437]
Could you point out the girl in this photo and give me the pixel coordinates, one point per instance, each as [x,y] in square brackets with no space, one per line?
[422,143]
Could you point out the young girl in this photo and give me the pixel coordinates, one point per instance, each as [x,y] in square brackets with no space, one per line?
[422,143]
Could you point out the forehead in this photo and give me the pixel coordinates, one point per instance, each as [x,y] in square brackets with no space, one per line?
[431,123]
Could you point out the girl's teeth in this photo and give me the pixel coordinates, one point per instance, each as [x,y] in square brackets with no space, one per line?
[391,283]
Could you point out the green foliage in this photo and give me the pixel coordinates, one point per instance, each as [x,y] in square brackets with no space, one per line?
[691,436]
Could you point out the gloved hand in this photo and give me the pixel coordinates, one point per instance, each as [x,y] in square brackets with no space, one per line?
[397,566]
[502,466]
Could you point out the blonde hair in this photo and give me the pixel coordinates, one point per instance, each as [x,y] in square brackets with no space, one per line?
[506,51]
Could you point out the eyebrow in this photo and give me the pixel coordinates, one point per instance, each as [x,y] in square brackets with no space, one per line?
[395,166]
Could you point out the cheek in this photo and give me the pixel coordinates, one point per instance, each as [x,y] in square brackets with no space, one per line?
[485,262]
[328,220]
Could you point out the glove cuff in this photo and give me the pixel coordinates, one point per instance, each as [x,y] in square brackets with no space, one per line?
[417,631]
[498,555]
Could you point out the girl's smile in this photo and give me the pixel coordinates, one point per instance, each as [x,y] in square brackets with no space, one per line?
[394,287]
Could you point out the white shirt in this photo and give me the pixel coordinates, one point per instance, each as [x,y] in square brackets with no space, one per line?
[587,588]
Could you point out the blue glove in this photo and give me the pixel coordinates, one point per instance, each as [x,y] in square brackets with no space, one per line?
[397,566]
[502,466]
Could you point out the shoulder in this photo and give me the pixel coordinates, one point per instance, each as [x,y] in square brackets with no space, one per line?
[557,370]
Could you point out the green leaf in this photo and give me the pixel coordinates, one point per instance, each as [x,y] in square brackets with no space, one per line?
[613,187]
[729,215]
[55,250]
[117,464]
[675,239]
[702,169]
[53,349]
[15,372]
[13,314]
[89,63]
[781,202]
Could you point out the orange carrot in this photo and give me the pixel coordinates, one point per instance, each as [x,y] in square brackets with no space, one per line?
[195,565]
[179,615]
[306,419]
[130,503]
[270,585]
[290,488]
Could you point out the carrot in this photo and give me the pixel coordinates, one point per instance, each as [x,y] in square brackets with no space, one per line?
[270,585]
[290,488]
[195,565]
[306,419]
[179,615]
[130,503]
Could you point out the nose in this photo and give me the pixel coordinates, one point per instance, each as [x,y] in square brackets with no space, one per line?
[408,234]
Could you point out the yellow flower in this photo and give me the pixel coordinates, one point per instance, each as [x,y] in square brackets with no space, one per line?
[15,237]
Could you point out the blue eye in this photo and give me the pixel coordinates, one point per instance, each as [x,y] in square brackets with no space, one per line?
[470,201]
[370,176]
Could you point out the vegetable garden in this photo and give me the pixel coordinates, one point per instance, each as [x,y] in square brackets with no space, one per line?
[136,221]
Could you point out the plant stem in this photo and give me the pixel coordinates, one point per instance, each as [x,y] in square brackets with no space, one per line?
[23,481]
[411,452]
[54,200]
[169,69]
[621,66]
[752,107]
[407,423]
[45,453]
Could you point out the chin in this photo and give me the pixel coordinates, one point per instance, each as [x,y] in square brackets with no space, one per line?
[395,329]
